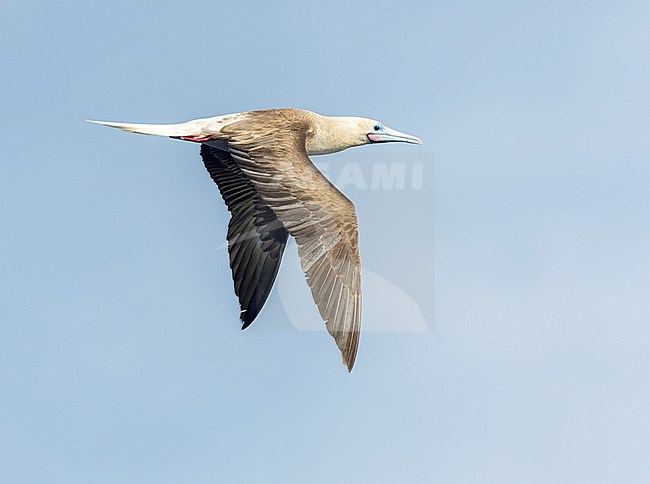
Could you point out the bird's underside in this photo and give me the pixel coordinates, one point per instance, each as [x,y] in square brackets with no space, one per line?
[259,161]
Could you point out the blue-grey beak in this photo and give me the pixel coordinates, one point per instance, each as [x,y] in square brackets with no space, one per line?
[388,135]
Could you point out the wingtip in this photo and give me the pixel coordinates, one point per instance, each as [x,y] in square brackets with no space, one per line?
[245,319]
[349,363]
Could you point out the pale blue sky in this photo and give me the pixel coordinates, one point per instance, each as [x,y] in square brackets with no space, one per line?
[526,251]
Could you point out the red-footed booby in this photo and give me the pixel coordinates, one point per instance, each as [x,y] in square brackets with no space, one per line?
[260,163]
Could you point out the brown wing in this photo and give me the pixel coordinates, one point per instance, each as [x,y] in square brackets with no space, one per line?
[256,238]
[322,220]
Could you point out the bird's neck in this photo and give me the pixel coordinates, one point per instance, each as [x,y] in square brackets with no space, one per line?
[330,134]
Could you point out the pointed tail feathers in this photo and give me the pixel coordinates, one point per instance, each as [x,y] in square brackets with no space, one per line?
[182,129]
[197,130]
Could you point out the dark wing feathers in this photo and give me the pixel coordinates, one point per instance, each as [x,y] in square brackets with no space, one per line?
[256,238]
[322,220]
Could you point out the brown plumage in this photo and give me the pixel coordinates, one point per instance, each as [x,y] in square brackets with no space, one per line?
[260,163]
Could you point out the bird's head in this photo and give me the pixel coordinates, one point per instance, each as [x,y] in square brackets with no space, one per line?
[376,132]
[339,133]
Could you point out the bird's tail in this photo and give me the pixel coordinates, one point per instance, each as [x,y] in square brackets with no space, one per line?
[176,130]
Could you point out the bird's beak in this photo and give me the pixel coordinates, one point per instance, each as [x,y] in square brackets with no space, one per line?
[388,135]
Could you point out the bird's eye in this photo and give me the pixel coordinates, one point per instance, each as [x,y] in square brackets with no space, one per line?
[377,127]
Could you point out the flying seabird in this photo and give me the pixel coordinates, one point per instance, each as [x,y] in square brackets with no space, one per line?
[260,163]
